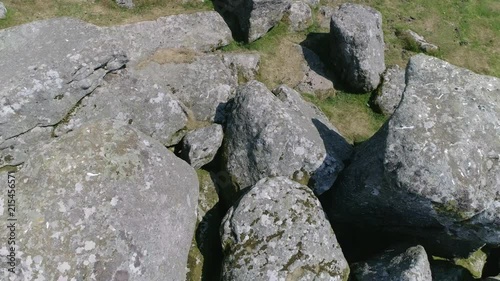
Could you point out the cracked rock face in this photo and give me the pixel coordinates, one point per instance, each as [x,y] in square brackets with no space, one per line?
[265,137]
[44,84]
[392,88]
[357,46]
[434,167]
[278,231]
[397,264]
[104,202]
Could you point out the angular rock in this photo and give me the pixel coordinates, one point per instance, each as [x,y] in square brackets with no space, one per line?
[447,271]
[475,263]
[90,202]
[421,42]
[398,264]
[129,4]
[299,16]
[433,170]
[255,17]
[3,11]
[390,92]
[266,138]
[203,84]
[43,85]
[279,231]
[200,146]
[244,65]
[315,73]
[357,46]
[138,102]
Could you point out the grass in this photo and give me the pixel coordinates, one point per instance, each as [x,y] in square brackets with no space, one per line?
[99,12]
[350,114]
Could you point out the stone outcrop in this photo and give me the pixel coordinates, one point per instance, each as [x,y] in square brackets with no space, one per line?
[433,169]
[300,16]
[244,65]
[90,202]
[357,46]
[395,264]
[279,231]
[266,138]
[316,76]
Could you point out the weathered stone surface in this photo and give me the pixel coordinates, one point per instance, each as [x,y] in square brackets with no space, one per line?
[390,92]
[203,84]
[315,73]
[129,4]
[398,264]
[90,202]
[255,17]
[16,150]
[265,138]
[447,271]
[299,16]
[200,146]
[475,263]
[244,65]
[421,42]
[43,84]
[279,231]
[433,170]
[357,46]
[146,106]
[312,3]
[3,11]
[325,14]
[203,31]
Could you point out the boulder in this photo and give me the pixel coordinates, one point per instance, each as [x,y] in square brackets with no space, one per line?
[420,41]
[279,231]
[325,14]
[255,17]
[264,137]
[244,65]
[433,170]
[395,264]
[3,11]
[389,94]
[316,76]
[200,146]
[104,202]
[160,115]
[203,83]
[357,46]
[299,16]
[129,4]
[44,85]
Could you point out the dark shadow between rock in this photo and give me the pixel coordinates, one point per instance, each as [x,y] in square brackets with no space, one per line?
[228,10]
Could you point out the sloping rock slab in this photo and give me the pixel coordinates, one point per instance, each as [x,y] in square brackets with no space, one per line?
[278,231]
[397,264]
[434,167]
[42,84]
[102,203]
[266,138]
[389,94]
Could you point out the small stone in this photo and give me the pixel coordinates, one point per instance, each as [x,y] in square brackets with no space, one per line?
[389,94]
[3,11]
[299,16]
[200,146]
[421,42]
[129,4]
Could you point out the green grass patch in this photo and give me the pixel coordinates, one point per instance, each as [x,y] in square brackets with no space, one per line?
[350,113]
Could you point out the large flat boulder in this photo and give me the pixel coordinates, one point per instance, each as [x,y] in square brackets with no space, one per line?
[44,84]
[433,170]
[105,202]
[357,46]
[266,137]
[278,231]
